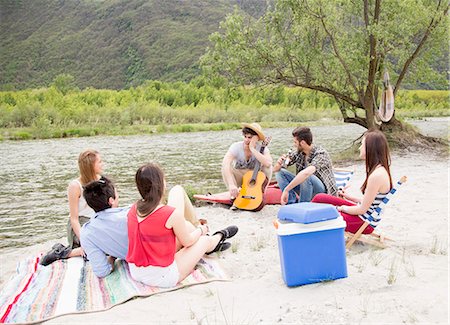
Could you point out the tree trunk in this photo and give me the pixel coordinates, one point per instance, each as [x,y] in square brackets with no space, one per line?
[392,125]
[403,135]
[370,113]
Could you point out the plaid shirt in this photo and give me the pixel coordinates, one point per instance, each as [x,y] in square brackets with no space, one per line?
[320,159]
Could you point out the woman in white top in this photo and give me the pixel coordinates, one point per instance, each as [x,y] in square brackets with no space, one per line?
[91,166]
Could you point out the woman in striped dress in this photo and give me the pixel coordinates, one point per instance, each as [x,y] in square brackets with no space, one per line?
[374,150]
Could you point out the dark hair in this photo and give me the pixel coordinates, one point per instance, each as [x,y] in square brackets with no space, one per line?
[248,131]
[377,153]
[150,184]
[303,133]
[97,194]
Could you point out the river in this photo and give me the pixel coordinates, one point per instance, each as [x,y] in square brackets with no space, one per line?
[34,174]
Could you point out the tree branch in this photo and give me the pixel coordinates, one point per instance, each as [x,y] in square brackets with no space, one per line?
[326,90]
[433,24]
[373,60]
[285,48]
[366,13]
[356,120]
[339,57]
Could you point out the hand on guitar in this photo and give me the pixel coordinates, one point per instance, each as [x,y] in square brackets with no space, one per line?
[234,191]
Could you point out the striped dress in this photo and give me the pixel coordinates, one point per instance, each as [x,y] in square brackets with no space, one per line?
[373,215]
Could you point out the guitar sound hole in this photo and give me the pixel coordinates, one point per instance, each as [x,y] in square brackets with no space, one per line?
[252,182]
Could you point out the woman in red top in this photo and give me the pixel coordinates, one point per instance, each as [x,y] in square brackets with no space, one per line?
[163,248]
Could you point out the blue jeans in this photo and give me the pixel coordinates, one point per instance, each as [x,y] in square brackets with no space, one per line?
[306,190]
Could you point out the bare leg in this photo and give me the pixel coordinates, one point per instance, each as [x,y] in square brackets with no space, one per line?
[268,172]
[187,257]
[179,200]
[190,227]
[238,174]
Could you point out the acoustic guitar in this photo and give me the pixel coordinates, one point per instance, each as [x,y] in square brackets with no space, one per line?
[251,195]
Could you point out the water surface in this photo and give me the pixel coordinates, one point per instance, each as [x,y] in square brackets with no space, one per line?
[34,174]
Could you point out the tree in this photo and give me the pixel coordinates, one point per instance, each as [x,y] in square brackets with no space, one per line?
[340,48]
[64,82]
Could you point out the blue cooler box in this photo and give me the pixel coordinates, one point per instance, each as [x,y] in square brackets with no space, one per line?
[312,251]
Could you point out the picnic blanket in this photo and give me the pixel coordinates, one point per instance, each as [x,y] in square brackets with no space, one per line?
[37,293]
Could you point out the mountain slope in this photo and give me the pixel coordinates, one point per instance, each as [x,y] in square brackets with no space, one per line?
[107,44]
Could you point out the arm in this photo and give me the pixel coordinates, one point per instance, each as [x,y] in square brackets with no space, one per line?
[279,163]
[228,174]
[73,195]
[264,158]
[298,179]
[186,238]
[373,185]
[101,265]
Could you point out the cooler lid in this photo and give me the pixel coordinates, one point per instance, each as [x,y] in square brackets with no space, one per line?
[293,228]
[307,212]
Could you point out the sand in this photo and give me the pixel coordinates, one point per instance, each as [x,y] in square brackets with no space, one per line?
[404,283]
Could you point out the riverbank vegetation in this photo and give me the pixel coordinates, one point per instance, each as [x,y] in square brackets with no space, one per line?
[62,110]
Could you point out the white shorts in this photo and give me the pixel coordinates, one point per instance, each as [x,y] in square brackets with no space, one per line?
[157,276]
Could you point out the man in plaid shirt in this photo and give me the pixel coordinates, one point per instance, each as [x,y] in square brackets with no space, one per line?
[313,166]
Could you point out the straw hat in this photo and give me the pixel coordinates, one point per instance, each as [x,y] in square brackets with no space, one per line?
[255,127]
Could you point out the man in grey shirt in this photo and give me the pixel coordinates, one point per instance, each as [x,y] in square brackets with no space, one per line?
[242,156]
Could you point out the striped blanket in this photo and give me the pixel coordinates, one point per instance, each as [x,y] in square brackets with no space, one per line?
[36,293]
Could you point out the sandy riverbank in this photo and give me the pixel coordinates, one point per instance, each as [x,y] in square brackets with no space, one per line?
[405,283]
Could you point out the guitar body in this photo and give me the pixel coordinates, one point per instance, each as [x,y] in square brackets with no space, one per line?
[251,195]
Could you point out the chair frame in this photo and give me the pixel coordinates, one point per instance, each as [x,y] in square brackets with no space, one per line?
[373,238]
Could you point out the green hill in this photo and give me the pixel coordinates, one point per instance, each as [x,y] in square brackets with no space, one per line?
[107,43]
[116,44]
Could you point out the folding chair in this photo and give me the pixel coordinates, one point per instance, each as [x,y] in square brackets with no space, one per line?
[342,176]
[374,238]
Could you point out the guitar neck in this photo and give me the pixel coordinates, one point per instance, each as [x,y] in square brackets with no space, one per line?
[258,164]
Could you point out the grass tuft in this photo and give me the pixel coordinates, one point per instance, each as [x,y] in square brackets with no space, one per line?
[392,275]
[235,246]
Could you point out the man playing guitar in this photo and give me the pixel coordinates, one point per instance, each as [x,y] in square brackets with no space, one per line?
[242,156]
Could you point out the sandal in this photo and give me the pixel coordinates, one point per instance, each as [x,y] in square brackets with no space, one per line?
[221,246]
[226,233]
[58,252]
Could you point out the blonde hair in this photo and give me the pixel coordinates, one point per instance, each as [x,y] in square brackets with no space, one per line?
[86,161]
